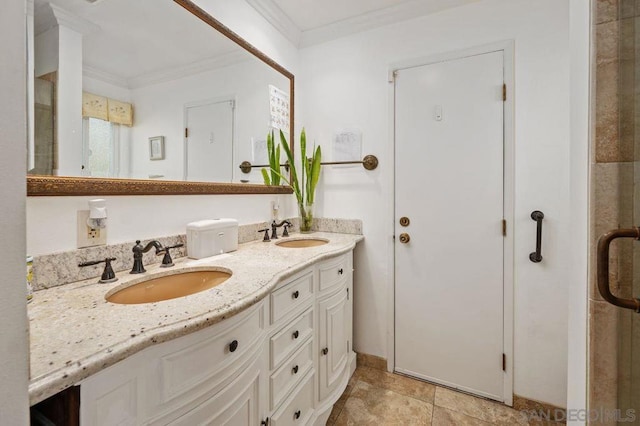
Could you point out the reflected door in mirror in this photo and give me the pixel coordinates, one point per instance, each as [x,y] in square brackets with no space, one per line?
[209,141]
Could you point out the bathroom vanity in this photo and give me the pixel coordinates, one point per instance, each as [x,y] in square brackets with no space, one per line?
[271,345]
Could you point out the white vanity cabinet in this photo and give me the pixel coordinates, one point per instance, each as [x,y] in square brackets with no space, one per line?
[336,359]
[283,361]
[220,366]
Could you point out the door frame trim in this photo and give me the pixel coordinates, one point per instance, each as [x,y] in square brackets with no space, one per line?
[508,49]
[210,101]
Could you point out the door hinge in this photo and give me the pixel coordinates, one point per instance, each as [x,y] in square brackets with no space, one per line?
[504,227]
[504,92]
[504,362]
[392,76]
[347,293]
[186,132]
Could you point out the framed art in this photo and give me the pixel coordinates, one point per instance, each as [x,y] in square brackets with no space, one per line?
[156,148]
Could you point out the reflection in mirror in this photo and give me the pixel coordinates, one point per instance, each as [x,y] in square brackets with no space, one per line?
[145,90]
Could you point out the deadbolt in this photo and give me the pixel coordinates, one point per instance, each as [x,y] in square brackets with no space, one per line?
[404,221]
[404,238]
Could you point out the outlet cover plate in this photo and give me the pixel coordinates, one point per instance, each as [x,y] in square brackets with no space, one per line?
[88,237]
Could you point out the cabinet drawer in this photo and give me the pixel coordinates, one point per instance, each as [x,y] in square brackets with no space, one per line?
[204,362]
[287,340]
[235,405]
[298,409]
[295,295]
[287,376]
[334,272]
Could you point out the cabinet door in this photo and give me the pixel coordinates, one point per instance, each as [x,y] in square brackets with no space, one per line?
[334,339]
[111,396]
[239,404]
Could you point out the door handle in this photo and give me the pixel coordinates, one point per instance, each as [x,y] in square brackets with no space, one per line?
[602,267]
[536,256]
[405,238]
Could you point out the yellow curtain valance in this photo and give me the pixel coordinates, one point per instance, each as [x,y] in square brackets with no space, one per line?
[107,109]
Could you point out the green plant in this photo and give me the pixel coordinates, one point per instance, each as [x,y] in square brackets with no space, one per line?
[305,188]
[274,162]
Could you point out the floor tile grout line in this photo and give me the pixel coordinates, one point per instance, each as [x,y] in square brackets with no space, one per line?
[437,388]
[346,399]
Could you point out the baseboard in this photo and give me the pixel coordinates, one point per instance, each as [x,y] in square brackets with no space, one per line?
[371,361]
[542,410]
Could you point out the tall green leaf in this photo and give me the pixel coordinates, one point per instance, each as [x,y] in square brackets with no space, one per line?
[292,166]
[273,154]
[275,171]
[265,176]
[303,156]
[314,174]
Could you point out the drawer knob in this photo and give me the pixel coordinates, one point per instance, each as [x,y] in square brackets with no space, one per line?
[295,294]
[295,334]
[325,351]
[295,369]
[340,271]
[297,414]
[233,346]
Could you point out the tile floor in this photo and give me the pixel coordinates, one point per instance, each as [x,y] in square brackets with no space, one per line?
[375,397]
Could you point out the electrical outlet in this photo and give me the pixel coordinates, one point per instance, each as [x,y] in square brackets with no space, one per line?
[88,237]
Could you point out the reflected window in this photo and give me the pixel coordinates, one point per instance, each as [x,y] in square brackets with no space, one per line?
[101,143]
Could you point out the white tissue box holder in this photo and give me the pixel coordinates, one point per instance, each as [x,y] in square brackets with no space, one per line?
[207,238]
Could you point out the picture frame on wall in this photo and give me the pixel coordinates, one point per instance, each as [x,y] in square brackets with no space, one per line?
[156,148]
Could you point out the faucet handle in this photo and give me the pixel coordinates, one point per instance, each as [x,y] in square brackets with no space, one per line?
[285,226]
[266,238]
[108,276]
[166,260]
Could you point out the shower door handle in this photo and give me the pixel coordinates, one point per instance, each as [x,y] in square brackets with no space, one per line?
[602,267]
[536,256]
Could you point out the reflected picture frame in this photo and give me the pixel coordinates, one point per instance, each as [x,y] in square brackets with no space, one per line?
[156,148]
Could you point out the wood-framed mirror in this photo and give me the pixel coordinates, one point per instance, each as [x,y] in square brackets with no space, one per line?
[167,107]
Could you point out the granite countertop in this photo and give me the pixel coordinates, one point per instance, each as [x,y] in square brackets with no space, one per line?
[75,332]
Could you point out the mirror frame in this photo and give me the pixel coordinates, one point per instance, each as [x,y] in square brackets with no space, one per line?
[39,185]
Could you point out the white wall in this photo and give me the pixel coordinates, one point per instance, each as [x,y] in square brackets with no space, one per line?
[69,102]
[159,110]
[14,345]
[51,220]
[145,217]
[343,83]
[46,47]
[102,88]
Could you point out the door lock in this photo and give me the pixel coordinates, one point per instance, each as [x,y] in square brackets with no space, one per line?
[404,221]
[404,238]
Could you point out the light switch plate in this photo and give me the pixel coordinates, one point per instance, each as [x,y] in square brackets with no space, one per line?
[88,237]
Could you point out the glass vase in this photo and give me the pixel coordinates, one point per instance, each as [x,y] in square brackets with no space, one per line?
[306,217]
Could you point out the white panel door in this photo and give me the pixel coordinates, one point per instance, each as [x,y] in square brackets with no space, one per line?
[209,142]
[333,340]
[449,183]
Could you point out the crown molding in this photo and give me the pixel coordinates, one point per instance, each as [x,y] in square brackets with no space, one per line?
[182,71]
[377,18]
[272,13]
[69,20]
[50,15]
[106,77]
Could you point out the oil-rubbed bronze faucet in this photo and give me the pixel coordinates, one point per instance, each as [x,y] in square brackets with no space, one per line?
[138,267]
[275,226]
[108,276]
